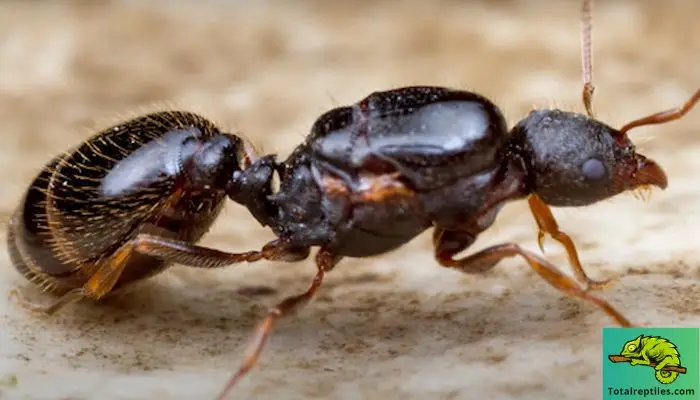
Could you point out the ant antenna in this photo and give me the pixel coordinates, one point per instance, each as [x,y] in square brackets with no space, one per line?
[663,116]
[586,57]
[588,88]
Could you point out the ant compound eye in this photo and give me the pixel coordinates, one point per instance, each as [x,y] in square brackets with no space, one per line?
[593,169]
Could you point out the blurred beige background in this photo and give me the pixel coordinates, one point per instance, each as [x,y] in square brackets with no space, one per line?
[394,327]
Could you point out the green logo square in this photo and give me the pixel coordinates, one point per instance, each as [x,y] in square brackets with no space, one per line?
[651,363]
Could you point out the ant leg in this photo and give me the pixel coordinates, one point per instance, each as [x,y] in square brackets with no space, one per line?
[664,116]
[547,224]
[489,257]
[71,297]
[191,255]
[325,261]
[107,274]
[99,284]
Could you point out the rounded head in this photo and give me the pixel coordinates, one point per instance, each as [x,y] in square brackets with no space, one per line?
[574,160]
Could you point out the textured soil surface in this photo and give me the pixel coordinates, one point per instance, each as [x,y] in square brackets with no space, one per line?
[392,327]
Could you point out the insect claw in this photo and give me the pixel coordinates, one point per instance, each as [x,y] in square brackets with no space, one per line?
[14,296]
[540,240]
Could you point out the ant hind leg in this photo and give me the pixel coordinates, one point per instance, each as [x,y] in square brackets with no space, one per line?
[107,274]
[72,296]
[325,261]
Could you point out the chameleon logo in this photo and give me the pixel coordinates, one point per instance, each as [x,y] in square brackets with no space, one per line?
[653,351]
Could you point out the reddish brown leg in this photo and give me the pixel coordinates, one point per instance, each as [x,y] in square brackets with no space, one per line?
[325,261]
[107,273]
[192,255]
[489,257]
[547,224]
[99,284]
[71,297]
[664,116]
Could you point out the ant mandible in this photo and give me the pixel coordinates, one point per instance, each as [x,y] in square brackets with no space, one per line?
[370,177]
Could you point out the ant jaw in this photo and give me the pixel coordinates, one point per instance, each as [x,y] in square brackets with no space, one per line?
[648,173]
[637,174]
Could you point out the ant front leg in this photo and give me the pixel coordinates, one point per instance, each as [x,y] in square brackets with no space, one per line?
[108,272]
[325,261]
[449,243]
[546,224]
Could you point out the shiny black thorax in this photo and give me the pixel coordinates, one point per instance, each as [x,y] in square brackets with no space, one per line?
[372,176]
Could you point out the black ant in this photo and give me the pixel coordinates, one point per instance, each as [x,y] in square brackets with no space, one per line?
[369,178]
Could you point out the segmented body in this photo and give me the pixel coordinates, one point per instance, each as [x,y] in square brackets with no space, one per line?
[372,176]
[88,202]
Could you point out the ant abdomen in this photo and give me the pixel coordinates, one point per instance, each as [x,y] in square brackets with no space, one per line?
[163,174]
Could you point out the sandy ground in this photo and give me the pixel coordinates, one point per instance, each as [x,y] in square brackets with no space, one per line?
[392,327]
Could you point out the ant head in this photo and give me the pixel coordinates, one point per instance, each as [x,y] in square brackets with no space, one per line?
[574,160]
